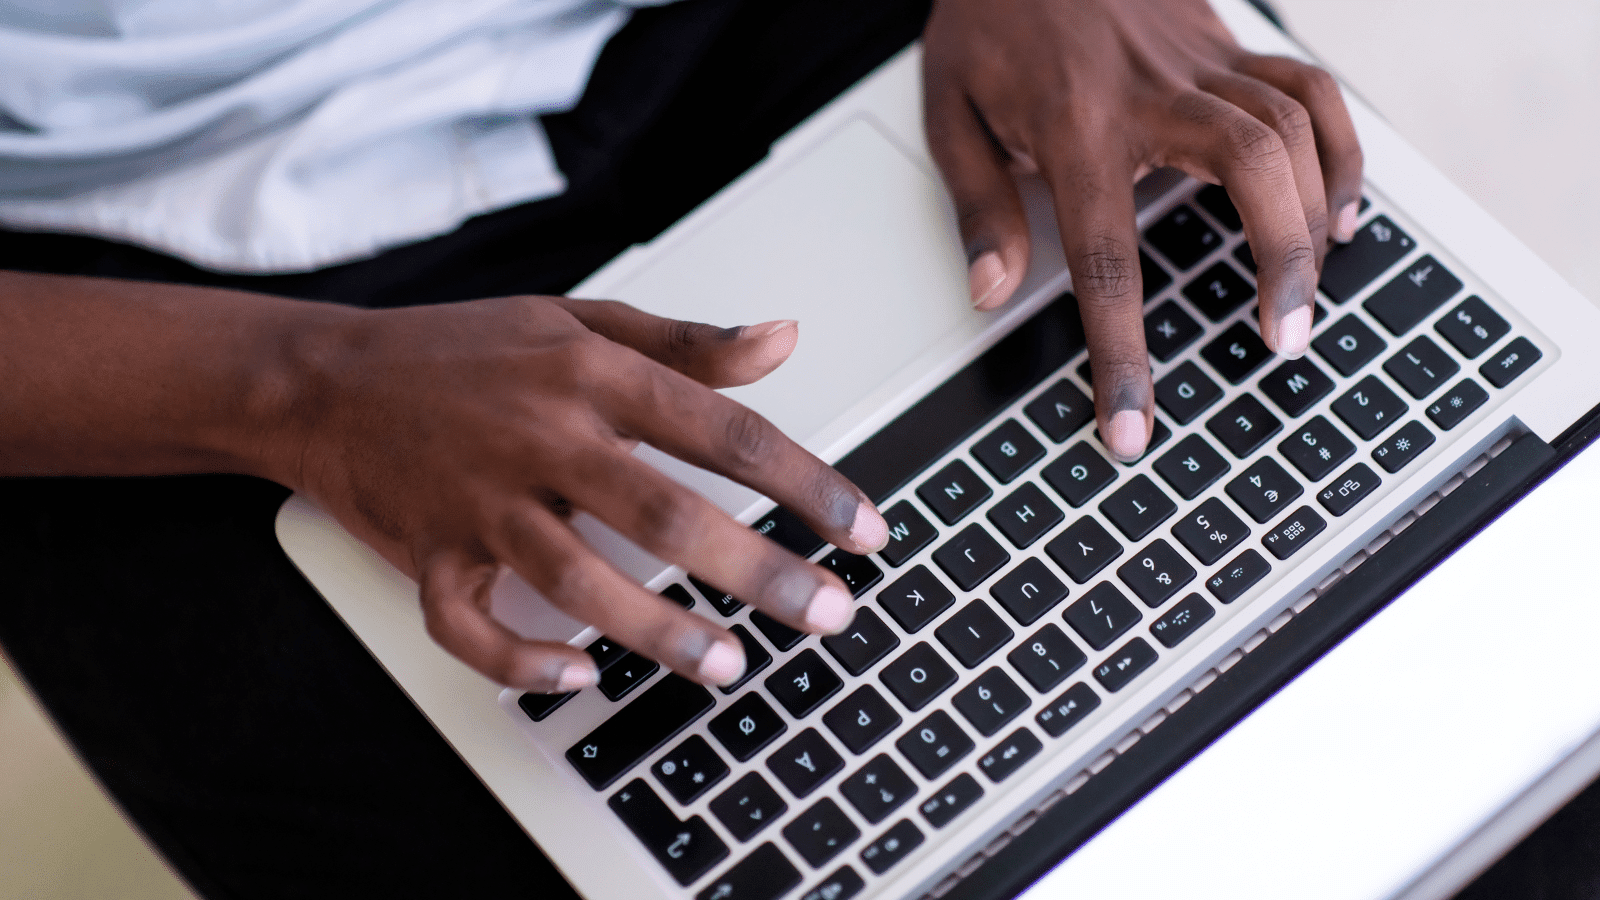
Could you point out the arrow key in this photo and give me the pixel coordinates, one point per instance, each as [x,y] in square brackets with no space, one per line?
[687,849]
[747,807]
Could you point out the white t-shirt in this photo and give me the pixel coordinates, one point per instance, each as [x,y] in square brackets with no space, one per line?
[284,135]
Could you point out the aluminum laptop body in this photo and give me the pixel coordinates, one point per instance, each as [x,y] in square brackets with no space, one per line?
[1371,716]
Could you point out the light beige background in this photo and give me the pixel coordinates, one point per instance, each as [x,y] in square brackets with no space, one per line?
[1500,95]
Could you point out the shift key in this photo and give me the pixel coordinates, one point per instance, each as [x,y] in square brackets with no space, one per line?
[641,728]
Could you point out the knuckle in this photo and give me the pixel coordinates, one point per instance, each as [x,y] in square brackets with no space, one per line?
[1318,83]
[1290,120]
[1106,272]
[574,585]
[1251,145]
[747,439]
[685,338]
[1297,254]
[666,522]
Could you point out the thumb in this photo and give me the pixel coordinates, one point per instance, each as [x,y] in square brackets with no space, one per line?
[715,357]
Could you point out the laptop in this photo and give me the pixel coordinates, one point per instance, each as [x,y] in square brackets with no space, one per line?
[1329,637]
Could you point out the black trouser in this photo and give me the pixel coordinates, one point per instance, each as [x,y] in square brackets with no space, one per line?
[217,698]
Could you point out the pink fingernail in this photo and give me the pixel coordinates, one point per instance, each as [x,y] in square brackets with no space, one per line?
[869,531]
[1344,231]
[985,277]
[1294,333]
[722,664]
[830,610]
[1125,437]
[575,677]
[768,329]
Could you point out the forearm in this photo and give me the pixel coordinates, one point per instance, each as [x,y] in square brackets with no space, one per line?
[105,377]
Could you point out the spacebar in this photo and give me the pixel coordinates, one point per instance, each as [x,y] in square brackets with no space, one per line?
[638,730]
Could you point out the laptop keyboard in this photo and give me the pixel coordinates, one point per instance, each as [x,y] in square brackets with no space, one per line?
[1030,580]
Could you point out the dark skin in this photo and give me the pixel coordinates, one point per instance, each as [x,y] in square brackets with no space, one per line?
[457,441]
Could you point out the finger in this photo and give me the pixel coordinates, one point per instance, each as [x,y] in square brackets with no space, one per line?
[716,357]
[1290,120]
[545,551]
[1338,147]
[678,525]
[1215,140]
[994,230]
[455,590]
[1094,203]
[706,429]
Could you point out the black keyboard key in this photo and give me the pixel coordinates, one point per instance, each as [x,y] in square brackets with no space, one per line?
[1079,474]
[892,846]
[756,657]
[1413,295]
[1348,344]
[621,677]
[935,744]
[1244,425]
[782,636]
[1472,327]
[821,833]
[1102,616]
[1068,709]
[858,573]
[1264,489]
[951,800]
[1191,466]
[862,719]
[991,701]
[1156,573]
[1402,446]
[1295,532]
[1008,451]
[1186,392]
[863,642]
[971,557]
[1026,515]
[1349,268]
[1010,755]
[1456,404]
[878,788]
[841,885]
[805,762]
[973,634]
[1296,386]
[1138,507]
[955,491]
[678,594]
[746,726]
[1316,448]
[1159,434]
[690,770]
[1218,291]
[1183,237]
[1168,329]
[1421,367]
[1210,531]
[1154,278]
[1047,658]
[722,601]
[1246,258]
[1120,668]
[1181,620]
[916,598]
[785,529]
[1369,407]
[763,875]
[918,676]
[1084,549]
[1236,353]
[1344,492]
[1512,360]
[638,730]
[1060,411]
[539,706]
[1214,199]
[748,806]
[802,683]
[1029,591]
[1238,576]
[686,849]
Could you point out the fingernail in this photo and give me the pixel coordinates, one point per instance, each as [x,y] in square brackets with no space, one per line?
[869,531]
[985,277]
[1344,231]
[575,677]
[722,664]
[829,610]
[768,329]
[1125,439]
[1294,333]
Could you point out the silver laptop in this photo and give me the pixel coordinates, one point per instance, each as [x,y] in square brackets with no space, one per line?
[1253,663]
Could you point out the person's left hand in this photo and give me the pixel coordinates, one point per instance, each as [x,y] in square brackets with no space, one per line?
[1093,94]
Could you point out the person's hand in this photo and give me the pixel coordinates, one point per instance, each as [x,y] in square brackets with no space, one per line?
[456,440]
[1093,94]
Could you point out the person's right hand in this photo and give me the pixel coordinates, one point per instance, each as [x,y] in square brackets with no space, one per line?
[457,440]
